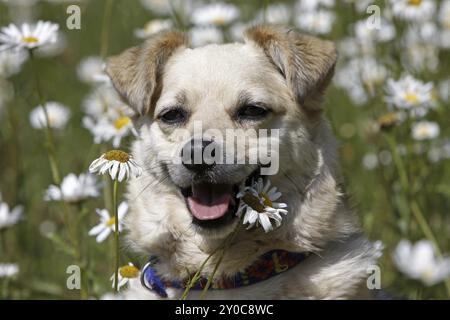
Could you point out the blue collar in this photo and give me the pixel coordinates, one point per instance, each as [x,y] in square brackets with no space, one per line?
[266,266]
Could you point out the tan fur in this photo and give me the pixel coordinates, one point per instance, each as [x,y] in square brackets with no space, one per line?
[289,71]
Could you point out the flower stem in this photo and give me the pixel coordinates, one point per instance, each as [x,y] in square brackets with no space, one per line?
[116,236]
[50,145]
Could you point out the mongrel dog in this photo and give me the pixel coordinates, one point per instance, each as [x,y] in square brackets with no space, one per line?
[180,213]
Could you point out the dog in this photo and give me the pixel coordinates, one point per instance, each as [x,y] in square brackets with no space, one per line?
[275,79]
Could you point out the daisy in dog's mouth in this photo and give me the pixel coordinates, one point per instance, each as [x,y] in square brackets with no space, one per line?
[213,205]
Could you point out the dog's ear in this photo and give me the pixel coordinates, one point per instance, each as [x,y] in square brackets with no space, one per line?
[306,62]
[136,72]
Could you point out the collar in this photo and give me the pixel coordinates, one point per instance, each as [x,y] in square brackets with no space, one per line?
[266,266]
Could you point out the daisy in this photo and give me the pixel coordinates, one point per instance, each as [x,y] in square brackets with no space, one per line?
[28,36]
[152,27]
[384,32]
[126,273]
[419,262]
[8,270]
[425,130]
[58,115]
[410,94]
[107,223]
[74,189]
[318,22]
[413,10]
[120,165]
[216,14]
[91,70]
[201,36]
[259,207]
[9,217]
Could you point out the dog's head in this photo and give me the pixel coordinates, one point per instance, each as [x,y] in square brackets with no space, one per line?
[187,99]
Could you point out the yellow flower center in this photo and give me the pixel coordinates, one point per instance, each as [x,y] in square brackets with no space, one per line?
[411,98]
[30,39]
[415,2]
[117,155]
[121,122]
[129,272]
[219,21]
[111,222]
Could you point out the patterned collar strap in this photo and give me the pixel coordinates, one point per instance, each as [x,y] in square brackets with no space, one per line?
[266,266]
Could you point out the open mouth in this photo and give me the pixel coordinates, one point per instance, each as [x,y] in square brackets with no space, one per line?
[214,205]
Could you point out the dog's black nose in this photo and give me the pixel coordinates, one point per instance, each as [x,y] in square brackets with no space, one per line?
[195,157]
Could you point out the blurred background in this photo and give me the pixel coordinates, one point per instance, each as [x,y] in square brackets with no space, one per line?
[388,105]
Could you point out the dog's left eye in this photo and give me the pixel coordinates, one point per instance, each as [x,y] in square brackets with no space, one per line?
[252,112]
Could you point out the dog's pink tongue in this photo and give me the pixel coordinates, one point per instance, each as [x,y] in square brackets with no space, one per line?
[209,202]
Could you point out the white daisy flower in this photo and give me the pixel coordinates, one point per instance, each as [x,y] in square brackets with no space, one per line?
[216,14]
[58,115]
[425,130]
[107,223]
[419,261]
[91,70]
[28,36]
[201,36]
[259,207]
[126,273]
[9,217]
[410,94]
[105,130]
[11,62]
[74,189]
[413,10]
[318,22]
[8,270]
[119,164]
[153,27]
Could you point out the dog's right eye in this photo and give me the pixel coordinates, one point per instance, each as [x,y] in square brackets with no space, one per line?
[173,116]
